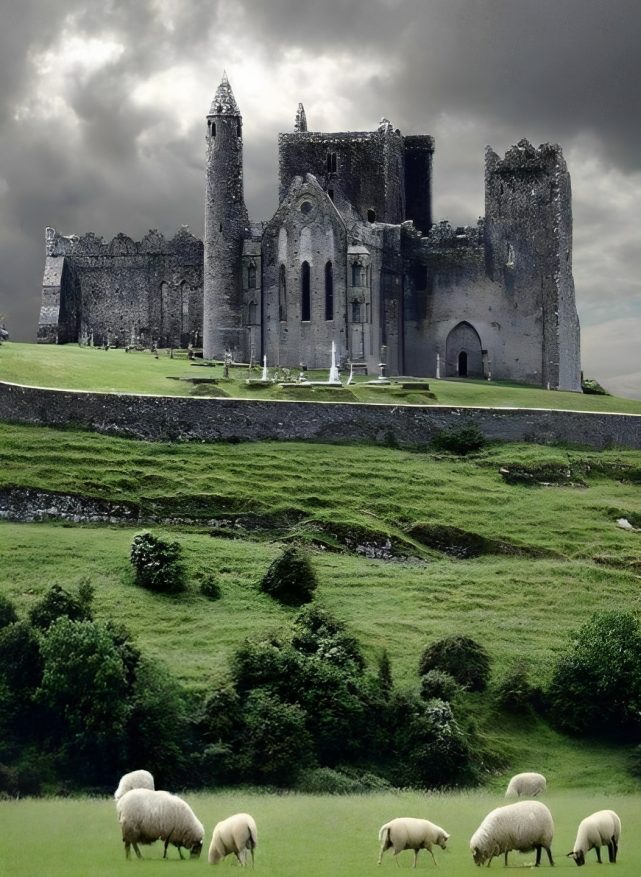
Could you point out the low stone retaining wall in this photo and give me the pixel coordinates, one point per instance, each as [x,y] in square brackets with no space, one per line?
[171,418]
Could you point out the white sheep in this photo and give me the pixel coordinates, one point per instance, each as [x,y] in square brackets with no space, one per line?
[237,835]
[524,826]
[137,779]
[526,785]
[600,829]
[146,816]
[407,833]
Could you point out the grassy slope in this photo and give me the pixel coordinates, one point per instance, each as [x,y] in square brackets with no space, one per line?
[73,367]
[514,605]
[317,836]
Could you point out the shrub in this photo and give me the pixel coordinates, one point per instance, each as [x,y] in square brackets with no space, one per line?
[464,440]
[596,684]
[514,692]
[8,614]
[331,781]
[58,603]
[210,588]
[276,739]
[431,748]
[460,656]
[157,563]
[438,684]
[290,578]
[317,632]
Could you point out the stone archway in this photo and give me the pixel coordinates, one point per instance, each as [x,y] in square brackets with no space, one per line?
[463,356]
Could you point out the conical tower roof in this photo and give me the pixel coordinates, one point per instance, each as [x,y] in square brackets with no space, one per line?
[224,102]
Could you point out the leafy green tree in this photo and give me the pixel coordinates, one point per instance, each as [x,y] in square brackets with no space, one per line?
[462,657]
[318,633]
[8,614]
[157,563]
[431,748]
[84,685]
[290,578]
[596,684]
[276,739]
[58,603]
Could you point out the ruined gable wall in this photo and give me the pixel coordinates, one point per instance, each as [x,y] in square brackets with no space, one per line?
[124,292]
[299,233]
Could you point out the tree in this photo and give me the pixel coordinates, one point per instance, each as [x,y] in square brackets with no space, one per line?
[596,685]
[462,657]
[58,603]
[290,578]
[84,686]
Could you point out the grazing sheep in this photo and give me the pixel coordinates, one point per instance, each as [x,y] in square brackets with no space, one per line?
[526,785]
[523,826]
[411,834]
[237,835]
[137,779]
[602,828]
[146,816]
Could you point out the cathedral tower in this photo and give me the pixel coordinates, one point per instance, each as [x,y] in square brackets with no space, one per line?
[226,225]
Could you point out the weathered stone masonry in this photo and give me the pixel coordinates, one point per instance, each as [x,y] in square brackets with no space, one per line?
[170,418]
[351,256]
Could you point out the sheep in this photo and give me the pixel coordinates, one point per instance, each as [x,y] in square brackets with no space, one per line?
[406,833]
[237,835]
[523,826]
[527,785]
[602,828]
[146,816]
[137,779]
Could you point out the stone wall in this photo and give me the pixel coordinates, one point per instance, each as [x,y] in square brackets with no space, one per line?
[170,418]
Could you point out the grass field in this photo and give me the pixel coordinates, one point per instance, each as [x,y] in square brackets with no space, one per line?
[83,368]
[297,834]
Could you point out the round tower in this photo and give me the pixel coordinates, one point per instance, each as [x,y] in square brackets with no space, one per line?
[226,225]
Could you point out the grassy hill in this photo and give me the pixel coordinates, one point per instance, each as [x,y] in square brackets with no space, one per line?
[83,368]
[518,566]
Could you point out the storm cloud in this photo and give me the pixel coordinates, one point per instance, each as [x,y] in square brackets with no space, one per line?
[102,107]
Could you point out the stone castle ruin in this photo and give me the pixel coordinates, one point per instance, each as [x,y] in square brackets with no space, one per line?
[351,256]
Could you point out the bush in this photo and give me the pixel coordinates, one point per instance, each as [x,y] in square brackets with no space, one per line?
[157,563]
[318,633]
[514,692]
[210,588]
[330,781]
[58,603]
[463,658]
[438,684]
[464,440]
[432,750]
[596,685]
[276,739]
[290,579]
[8,614]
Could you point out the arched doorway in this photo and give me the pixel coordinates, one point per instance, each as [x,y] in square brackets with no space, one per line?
[463,357]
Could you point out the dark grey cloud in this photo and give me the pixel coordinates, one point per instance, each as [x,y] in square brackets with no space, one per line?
[470,72]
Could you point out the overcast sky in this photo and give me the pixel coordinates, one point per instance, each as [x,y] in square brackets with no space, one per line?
[102,108]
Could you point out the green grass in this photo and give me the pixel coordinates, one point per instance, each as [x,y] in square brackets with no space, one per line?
[82,368]
[297,834]
[516,605]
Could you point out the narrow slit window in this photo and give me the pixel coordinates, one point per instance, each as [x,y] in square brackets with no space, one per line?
[305,290]
[282,295]
[329,291]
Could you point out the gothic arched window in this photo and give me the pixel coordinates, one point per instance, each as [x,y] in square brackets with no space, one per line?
[251,276]
[305,293]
